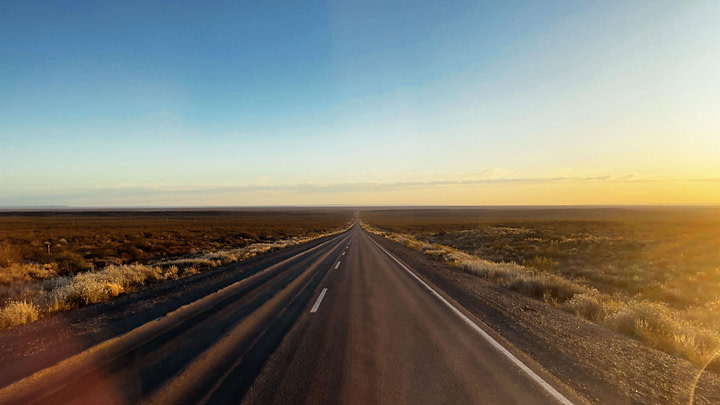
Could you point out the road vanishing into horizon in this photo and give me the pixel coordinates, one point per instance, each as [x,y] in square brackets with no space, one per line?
[341,321]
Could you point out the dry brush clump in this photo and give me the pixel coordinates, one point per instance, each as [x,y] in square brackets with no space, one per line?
[43,298]
[548,287]
[90,288]
[228,256]
[22,272]
[526,280]
[18,313]
[665,328]
[655,323]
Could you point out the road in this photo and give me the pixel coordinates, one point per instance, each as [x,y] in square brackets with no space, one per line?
[340,322]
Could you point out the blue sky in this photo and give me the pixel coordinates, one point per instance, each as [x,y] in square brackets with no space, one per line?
[407,102]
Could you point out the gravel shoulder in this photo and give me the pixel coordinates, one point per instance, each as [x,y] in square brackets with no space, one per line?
[601,365]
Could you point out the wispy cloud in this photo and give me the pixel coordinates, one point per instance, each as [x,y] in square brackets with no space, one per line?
[158,193]
[390,186]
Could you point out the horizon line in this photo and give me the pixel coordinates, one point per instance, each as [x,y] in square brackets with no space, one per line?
[41,208]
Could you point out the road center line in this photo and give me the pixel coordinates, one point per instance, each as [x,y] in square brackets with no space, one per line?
[319,300]
[343,253]
[337,265]
[544,384]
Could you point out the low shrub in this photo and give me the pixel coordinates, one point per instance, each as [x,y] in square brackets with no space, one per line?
[542,263]
[17,313]
[586,305]
[9,254]
[17,272]
[68,263]
[548,287]
[665,329]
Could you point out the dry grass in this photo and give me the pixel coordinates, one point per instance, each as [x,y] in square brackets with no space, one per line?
[224,257]
[526,280]
[662,254]
[19,272]
[43,298]
[82,241]
[18,313]
[665,328]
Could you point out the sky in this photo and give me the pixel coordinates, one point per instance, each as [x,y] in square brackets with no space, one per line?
[236,103]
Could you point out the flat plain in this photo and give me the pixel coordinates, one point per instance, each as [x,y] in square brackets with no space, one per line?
[98,237]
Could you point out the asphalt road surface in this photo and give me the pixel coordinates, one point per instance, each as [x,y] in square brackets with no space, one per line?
[339,322]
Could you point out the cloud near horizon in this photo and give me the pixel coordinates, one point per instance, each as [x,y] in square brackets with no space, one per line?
[559,189]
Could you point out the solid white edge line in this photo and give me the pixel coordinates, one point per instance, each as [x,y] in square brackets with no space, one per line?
[337,265]
[544,384]
[319,300]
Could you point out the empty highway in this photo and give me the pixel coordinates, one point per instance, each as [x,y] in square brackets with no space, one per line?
[338,321]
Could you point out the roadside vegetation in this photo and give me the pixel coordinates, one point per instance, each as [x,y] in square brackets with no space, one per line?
[35,285]
[652,273]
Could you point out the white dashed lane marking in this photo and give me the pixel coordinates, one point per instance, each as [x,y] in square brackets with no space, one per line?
[319,300]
